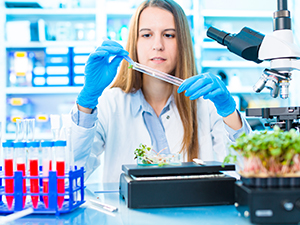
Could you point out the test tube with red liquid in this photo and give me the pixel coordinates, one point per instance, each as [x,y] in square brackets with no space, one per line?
[60,148]
[47,166]
[33,150]
[20,155]
[8,153]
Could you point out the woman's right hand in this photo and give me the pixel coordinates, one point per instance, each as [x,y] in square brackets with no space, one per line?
[99,72]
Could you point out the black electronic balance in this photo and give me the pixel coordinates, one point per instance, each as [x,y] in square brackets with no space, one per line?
[187,184]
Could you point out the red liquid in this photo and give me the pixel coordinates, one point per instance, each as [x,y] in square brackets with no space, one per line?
[21,167]
[34,183]
[46,190]
[9,183]
[46,187]
[60,168]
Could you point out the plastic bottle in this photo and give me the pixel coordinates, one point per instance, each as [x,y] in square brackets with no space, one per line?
[47,166]
[8,153]
[60,148]
[33,150]
[20,155]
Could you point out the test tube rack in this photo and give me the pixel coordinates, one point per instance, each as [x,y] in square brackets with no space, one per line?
[75,187]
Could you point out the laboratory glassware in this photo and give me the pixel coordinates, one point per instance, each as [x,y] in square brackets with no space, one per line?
[60,147]
[8,153]
[47,166]
[55,125]
[25,129]
[19,130]
[66,134]
[33,150]
[153,72]
[20,155]
[30,129]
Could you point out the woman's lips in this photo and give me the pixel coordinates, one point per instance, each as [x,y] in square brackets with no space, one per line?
[158,60]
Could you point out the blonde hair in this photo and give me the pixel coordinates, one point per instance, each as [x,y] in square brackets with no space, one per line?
[130,80]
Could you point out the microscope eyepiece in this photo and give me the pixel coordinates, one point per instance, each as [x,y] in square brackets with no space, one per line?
[245,44]
[217,35]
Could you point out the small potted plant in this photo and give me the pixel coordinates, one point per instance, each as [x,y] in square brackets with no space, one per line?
[147,156]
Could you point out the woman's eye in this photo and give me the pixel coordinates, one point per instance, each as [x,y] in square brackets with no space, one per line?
[146,35]
[170,35]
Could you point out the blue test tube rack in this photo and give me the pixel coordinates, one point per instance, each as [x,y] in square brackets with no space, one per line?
[74,187]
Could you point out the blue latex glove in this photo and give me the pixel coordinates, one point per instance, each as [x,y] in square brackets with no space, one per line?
[210,87]
[99,72]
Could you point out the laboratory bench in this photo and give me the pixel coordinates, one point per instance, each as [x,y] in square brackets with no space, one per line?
[109,194]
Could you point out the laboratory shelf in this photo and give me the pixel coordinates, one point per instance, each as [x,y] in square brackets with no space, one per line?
[246,90]
[233,64]
[43,44]
[37,136]
[237,14]
[43,90]
[74,12]
[212,45]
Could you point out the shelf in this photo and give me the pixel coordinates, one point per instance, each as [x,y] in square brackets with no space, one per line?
[237,14]
[212,45]
[76,12]
[41,136]
[43,90]
[233,64]
[37,44]
[51,14]
[119,8]
[246,90]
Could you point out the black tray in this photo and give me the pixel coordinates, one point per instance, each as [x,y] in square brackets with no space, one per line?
[186,168]
[271,182]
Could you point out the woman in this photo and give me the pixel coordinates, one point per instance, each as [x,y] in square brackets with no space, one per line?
[141,109]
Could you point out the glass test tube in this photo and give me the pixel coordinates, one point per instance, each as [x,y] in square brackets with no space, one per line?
[47,166]
[8,155]
[157,74]
[30,129]
[19,130]
[33,150]
[55,125]
[20,153]
[154,73]
[60,147]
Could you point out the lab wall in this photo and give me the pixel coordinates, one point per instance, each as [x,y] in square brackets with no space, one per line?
[44,45]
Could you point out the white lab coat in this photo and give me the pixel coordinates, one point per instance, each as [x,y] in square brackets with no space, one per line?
[120,129]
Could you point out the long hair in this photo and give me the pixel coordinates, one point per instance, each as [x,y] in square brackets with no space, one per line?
[130,80]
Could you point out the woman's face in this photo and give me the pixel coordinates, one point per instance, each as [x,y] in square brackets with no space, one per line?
[157,45]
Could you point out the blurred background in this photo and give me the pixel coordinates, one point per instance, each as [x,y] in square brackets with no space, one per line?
[45,44]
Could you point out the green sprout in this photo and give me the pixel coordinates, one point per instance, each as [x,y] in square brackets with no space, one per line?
[141,153]
[276,147]
[130,66]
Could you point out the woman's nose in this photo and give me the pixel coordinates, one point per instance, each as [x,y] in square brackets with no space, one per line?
[158,44]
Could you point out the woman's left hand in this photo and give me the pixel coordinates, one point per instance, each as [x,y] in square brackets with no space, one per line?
[210,87]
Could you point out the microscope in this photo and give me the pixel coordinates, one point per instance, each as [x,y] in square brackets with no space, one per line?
[269,199]
[283,54]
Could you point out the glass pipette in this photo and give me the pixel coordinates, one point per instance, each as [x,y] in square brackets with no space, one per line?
[154,73]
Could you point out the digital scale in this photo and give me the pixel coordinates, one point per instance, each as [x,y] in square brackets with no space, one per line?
[187,184]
